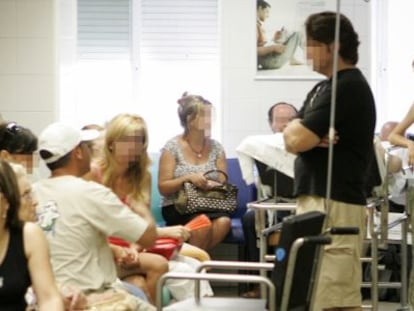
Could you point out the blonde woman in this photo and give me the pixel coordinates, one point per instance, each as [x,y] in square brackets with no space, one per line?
[185,158]
[125,169]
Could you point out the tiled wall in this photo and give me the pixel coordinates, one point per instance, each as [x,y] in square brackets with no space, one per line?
[28,76]
[28,67]
[246,100]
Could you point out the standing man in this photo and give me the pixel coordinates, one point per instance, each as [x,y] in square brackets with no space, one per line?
[338,287]
[278,117]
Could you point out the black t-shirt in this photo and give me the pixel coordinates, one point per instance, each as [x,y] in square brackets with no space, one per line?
[355,124]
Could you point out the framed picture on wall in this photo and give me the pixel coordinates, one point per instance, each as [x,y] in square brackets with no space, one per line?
[280,38]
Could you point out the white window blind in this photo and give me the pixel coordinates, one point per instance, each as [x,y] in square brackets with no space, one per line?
[104,29]
[179,30]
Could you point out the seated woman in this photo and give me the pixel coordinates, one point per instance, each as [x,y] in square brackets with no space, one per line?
[185,158]
[72,297]
[22,263]
[124,169]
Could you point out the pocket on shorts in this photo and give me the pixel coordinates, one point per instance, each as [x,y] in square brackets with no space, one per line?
[339,266]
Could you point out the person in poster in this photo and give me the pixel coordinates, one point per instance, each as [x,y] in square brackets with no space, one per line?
[274,53]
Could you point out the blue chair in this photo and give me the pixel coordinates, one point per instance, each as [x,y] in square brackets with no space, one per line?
[155,194]
[246,194]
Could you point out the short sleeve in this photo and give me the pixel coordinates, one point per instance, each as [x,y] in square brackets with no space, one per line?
[111,216]
[218,148]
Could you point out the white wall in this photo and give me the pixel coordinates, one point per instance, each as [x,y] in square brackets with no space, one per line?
[28,76]
[67,46]
[395,75]
[245,101]
[29,80]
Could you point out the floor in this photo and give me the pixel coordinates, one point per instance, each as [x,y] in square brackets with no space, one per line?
[226,252]
[231,291]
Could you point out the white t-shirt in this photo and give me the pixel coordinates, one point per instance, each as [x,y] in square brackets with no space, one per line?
[398,181]
[77,216]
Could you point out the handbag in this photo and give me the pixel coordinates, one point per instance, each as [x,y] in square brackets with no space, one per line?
[221,198]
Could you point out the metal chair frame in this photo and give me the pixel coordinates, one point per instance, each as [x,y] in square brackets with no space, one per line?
[378,234]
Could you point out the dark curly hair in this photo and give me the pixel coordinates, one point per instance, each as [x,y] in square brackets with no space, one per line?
[321,27]
[17,139]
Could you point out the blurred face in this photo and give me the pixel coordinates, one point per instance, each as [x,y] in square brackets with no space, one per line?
[263,14]
[281,116]
[27,160]
[28,202]
[202,121]
[128,148]
[320,55]
[24,159]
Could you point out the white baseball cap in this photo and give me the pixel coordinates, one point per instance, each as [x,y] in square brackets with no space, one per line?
[59,139]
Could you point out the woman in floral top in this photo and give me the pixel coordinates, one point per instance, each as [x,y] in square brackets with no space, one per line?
[185,158]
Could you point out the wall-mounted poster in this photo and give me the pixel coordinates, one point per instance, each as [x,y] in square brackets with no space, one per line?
[280,37]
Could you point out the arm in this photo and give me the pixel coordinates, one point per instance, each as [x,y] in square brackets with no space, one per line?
[125,255]
[148,238]
[397,137]
[167,184]
[37,253]
[221,162]
[298,138]
[221,165]
[180,233]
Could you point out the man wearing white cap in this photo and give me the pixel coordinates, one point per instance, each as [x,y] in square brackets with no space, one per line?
[77,216]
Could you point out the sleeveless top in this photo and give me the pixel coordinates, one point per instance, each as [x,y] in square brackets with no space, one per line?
[183,167]
[14,274]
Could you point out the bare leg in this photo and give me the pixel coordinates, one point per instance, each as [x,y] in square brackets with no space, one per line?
[207,238]
[153,266]
[194,252]
[200,238]
[219,229]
